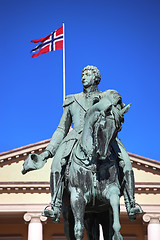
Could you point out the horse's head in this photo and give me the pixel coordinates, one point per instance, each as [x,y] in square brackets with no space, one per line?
[106,129]
[102,123]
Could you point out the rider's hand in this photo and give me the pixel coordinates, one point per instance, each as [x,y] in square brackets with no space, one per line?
[45,155]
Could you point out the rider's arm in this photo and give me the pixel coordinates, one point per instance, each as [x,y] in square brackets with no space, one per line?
[61,130]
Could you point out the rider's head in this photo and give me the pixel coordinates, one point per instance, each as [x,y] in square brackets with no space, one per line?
[90,76]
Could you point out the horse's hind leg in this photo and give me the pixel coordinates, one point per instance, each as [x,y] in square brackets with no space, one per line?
[78,208]
[92,226]
[68,220]
[114,202]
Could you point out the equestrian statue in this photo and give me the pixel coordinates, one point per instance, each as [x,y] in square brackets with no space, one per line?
[91,168]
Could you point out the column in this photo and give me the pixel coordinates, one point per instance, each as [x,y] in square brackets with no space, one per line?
[101,233]
[153,220]
[35,228]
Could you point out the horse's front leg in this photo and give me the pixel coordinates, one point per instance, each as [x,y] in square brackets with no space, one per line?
[78,207]
[115,202]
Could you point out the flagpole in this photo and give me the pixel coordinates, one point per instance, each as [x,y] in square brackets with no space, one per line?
[64,83]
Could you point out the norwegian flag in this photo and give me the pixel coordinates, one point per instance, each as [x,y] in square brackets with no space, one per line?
[50,43]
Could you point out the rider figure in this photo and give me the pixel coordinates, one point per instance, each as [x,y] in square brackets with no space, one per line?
[63,141]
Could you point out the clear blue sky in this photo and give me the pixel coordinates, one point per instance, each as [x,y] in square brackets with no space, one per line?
[121,38]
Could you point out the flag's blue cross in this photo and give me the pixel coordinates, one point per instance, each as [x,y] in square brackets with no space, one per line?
[48,42]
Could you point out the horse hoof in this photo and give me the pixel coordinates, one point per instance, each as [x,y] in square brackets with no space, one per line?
[117,236]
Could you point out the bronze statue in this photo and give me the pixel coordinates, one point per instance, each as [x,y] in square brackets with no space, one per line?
[90,163]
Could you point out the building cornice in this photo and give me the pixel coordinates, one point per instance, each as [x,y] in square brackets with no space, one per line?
[4,208]
[19,154]
[144,163]
[44,187]
[24,187]
[147,187]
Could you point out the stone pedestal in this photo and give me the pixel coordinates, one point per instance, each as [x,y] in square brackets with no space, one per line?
[35,227]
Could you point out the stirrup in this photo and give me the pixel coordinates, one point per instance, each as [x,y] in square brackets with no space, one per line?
[140,208]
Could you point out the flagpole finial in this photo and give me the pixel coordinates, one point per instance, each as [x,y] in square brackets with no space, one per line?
[63,21]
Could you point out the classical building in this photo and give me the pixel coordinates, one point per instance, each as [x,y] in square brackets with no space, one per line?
[23,198]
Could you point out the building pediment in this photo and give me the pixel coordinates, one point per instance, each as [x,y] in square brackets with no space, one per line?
[20,154]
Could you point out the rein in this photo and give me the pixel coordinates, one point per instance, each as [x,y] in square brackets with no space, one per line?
[91,167]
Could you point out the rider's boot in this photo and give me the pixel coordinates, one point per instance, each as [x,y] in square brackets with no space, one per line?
[53,210]
[129,198]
